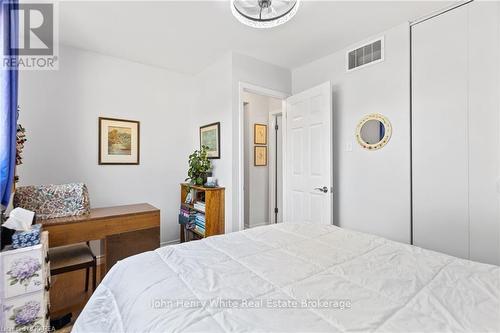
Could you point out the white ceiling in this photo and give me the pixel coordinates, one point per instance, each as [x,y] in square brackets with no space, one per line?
[187,36]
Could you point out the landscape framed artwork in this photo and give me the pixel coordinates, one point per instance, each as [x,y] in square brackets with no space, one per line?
[210,137]
[260,156]
[118,141]
[260,134]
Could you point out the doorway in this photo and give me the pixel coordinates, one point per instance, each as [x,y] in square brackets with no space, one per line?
[262,159]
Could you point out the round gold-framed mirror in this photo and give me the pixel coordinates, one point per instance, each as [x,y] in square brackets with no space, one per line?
[373,131]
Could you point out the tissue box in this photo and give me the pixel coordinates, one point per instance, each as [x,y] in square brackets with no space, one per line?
[50,201]
[27,238]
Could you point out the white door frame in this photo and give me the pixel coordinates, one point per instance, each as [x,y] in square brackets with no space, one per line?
[272,160]
[251,88]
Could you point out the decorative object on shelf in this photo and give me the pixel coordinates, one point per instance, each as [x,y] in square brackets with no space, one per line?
[210,137]
[199,166]
[260,155]
[260,134]
[373,131]
[264,13]
[118,141]
[51,201]
[189,196]
[211,182]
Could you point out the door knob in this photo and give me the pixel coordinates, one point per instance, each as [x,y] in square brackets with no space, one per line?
[323,189]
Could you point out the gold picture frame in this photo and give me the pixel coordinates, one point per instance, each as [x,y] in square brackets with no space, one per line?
[260,134]
[260,156]
[119,141]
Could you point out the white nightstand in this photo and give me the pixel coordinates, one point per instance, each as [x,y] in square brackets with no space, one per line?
[24,288]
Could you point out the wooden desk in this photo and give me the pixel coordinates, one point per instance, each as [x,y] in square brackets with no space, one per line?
[124,230]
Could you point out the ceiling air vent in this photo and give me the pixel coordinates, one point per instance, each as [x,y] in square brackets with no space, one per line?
[366,54]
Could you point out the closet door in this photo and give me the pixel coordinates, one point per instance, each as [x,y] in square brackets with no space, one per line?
[439,133]
[484,131]
[456,132]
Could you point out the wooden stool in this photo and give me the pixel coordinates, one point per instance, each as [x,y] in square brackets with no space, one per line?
[64,259]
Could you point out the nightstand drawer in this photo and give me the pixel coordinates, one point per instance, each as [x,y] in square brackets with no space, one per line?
[25,313]
[23,271]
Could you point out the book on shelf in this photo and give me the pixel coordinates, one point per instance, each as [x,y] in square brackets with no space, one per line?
[199,205]
[187,212]
[199,220]
[200,230]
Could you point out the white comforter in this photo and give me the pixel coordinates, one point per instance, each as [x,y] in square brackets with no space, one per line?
[294,278]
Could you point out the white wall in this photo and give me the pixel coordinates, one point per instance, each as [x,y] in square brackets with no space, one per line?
[257,199]
[60,111]
[371,188]
[212,103]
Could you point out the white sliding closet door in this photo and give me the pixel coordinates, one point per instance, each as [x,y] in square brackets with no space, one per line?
[484,131]
[439,133]
[455,132]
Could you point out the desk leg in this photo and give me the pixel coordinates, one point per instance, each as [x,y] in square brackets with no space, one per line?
[104,258]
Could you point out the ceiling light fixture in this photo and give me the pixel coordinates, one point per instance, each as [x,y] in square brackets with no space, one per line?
[264,13]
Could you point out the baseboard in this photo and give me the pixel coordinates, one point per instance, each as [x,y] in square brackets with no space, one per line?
[172,242]
[257,225]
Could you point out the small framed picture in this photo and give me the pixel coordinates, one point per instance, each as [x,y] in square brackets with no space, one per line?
[210,137]
[189,197]
[260,134]
[260,156]
[118,141]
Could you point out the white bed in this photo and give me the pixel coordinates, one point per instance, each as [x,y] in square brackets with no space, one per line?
[389,286]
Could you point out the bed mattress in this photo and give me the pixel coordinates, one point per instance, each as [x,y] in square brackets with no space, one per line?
[294,278]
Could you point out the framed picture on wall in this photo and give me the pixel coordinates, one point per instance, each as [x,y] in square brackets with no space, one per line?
[260,134]
[210,137]
[118,141]
[260,156]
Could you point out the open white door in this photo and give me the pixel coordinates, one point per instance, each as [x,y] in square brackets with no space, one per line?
[308,182]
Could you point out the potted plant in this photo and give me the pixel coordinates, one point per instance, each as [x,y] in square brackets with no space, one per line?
[199,166]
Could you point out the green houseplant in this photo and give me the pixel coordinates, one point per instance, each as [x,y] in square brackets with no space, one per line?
[199,166]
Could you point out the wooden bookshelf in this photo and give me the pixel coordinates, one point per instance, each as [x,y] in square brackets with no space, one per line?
[214,211]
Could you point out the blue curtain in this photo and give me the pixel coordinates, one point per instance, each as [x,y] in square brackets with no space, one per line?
[8,97]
